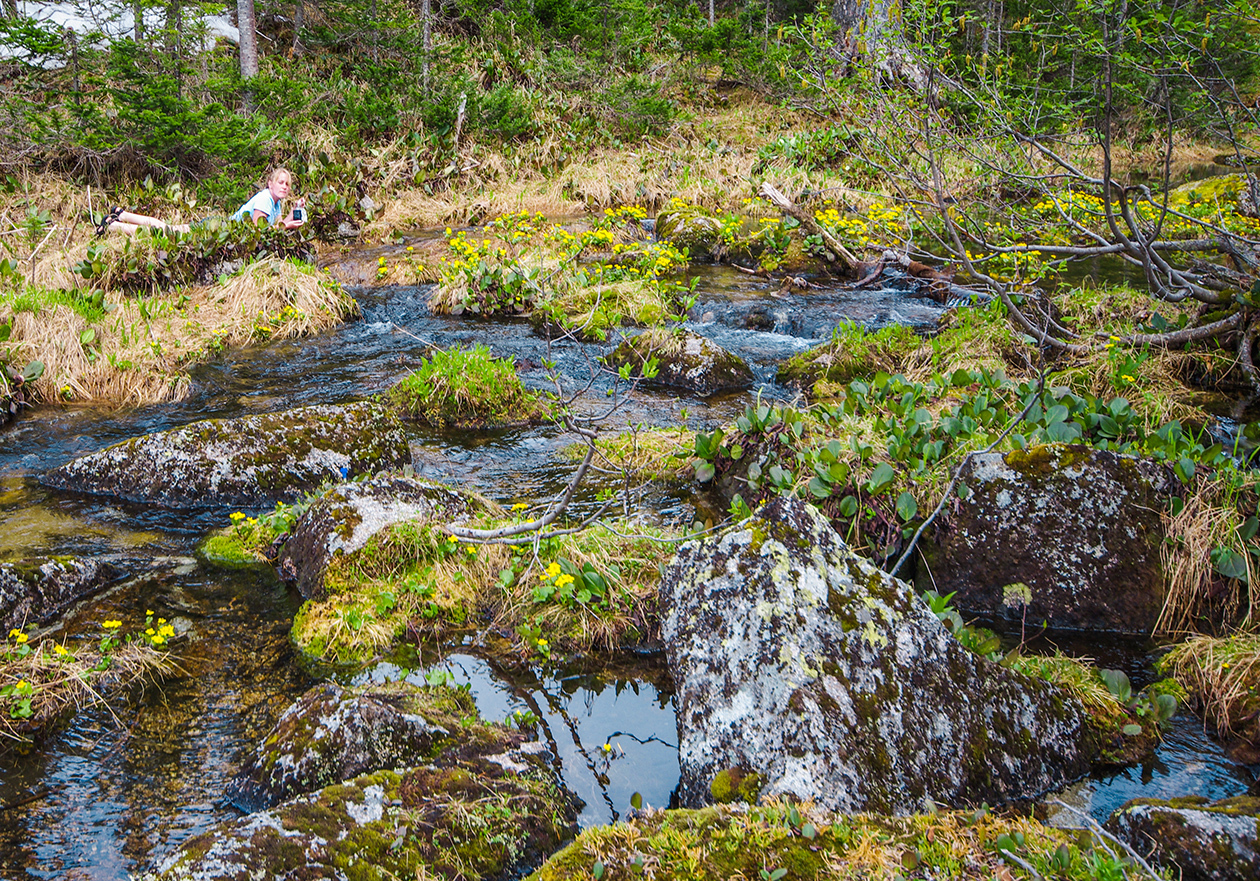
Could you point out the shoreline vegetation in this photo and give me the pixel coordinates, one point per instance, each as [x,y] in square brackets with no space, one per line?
[1076,186]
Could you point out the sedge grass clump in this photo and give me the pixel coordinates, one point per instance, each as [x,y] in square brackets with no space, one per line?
[1222,677]
[42,681]
[466,388]
[640,453]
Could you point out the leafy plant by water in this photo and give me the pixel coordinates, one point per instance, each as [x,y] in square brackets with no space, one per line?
[466,388]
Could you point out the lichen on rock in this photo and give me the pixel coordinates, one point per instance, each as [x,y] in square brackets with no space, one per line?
[1198,839]
[1081,529]
[486,804]
[37,590]
[684,360]
[250,461]
[799,661]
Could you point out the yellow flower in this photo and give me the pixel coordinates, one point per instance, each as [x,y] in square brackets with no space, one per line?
[607,747]
[542,643]
[14,633]
[564,579]
[22,638]
[159,640]
[1128,378]
[148,611]
[150,632]
[111,625]
[60,650]
[519,506]
[409,248]
[21,684]
[472,552]
[553,570]
[166,631]
[236,516]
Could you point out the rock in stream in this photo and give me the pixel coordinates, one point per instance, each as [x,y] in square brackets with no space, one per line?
[246,462]
[800,662]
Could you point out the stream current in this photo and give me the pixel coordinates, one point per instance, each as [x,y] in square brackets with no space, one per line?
[121,786]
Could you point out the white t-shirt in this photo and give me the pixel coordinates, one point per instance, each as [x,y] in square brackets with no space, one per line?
[263,202]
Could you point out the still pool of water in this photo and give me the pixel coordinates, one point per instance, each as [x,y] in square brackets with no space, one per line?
[119,787]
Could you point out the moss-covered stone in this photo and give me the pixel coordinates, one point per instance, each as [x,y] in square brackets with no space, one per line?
[1080,528]
[850,354]
[684,360]
[781,840]
[485,804]
[1193,837]
[250,461]
[37,590]
[799,661]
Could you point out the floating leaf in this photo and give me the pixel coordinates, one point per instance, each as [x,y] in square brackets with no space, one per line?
[636,801]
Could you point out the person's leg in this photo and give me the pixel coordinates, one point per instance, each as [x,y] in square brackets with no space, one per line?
[129,222]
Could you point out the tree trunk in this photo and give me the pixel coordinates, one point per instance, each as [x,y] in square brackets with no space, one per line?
[137,24]
[248,25]
[299,22]
[711,15]
[872,28]
[427,13]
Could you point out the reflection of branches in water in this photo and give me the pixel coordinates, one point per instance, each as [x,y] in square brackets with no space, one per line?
[525,692]
[642,740]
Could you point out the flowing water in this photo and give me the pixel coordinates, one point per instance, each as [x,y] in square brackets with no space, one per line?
[119,787]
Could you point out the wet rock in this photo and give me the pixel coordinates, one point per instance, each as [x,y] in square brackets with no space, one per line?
[251,461]
[686,360]
[333,734]
[690,230]
[1198,840]
[486,805]
[343,519]
[800,662]
[1062,534]
[38,590]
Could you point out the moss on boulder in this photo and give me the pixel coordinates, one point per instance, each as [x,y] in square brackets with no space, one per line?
[684,360]
[250,461]
[487,805]
[37,590]
[1080,528]
[850,353]
[797,660]
[1195,838]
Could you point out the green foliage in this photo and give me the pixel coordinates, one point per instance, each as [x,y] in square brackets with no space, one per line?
[465,387]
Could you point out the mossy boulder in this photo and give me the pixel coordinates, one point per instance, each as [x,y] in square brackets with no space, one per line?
[247,462]
[333,734]
[37,590]
[1061,534]
[797,660]
[343,519]
[685,360]
[486,806]
[690,230]
[1197,839]
[849,355]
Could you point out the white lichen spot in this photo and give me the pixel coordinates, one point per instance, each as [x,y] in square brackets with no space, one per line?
[373,807]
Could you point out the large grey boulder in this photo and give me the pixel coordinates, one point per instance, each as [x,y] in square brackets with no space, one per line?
[333,734]
[484,805]
[35,591]
[685,360]
[1062,534]
[247,462]
[800,662]
[343,519]
[1197,839]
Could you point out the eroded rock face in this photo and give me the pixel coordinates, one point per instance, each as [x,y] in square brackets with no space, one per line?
[344,518]
[487,805]
[332,734]
[35,591]
[1079,527]
[251,461]
[800,662]
[686,360]
[1197,839]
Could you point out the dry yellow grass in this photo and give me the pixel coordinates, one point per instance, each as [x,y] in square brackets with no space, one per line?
[138,352]
[1223,678]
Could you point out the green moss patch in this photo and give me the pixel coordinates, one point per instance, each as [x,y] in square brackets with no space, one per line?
[781,841]
[466,388]
[851,353]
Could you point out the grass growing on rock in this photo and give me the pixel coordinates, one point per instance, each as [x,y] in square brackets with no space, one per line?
[466,388]
[590,589]
[781,841]
[44,680]
[640,453]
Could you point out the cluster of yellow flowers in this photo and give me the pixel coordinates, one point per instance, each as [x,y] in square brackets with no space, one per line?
[556,575]
[18,636]
[626,214]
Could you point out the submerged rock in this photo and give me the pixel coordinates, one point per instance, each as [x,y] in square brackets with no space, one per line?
[333,734]
[800,662]
[250,461]
[1062,534]
[1197,839]
[685,360]
[35,591]
[343,519]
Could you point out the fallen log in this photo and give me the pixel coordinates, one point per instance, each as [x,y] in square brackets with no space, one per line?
[847,261]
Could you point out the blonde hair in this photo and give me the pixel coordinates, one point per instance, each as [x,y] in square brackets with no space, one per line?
[277,171]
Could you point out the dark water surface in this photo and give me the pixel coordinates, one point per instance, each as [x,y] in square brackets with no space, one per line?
[119,787]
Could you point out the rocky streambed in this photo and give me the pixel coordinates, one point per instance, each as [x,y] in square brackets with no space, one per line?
[791,668]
